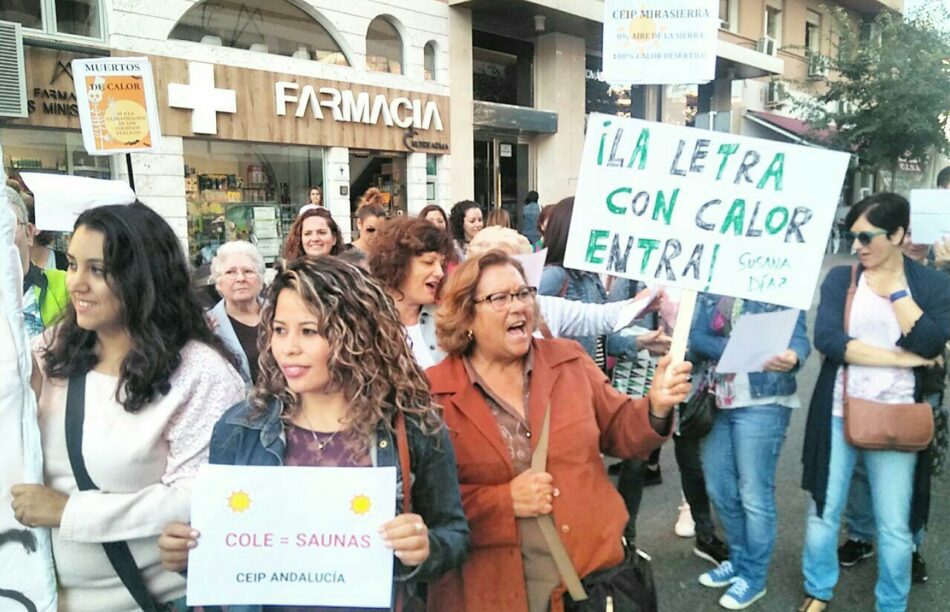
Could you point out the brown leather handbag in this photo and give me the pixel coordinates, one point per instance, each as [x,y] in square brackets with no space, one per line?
[879,426]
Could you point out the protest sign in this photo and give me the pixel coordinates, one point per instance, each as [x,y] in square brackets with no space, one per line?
[929,215]
[705,211]
[658,42]
[118,111]
[59,199]
[291,536]
[27,578]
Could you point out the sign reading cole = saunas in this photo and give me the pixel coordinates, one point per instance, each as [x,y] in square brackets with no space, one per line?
[118,111]
[293,536]
[701,210]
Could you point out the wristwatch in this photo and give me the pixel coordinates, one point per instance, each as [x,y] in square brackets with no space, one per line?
[898,295]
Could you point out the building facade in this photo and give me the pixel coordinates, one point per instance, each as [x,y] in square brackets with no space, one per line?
[260,101]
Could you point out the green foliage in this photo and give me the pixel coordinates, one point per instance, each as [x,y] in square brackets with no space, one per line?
[887,91]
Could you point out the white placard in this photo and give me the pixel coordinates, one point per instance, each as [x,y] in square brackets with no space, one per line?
[929,215]
[660,42]
[635,307]
[749,349]
[701,210]
[533,264]
[59,199]
[118,110]
[291,536]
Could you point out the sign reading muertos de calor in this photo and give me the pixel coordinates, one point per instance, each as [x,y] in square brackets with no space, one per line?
[118,111]
[660,41]
[701,210]
[297,536]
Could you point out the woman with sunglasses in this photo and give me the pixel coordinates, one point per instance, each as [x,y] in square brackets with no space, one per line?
[497,385]
[898,325]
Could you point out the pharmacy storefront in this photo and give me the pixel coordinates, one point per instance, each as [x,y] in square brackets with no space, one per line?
[243,149]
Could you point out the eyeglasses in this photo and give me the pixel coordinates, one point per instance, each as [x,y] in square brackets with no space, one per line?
[369,230]
[234,273]
[500,301]
[864,238]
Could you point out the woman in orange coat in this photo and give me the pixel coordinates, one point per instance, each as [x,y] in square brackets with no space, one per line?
[495,387]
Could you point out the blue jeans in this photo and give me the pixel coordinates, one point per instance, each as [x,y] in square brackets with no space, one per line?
[740,455]
[891,475]
[859,515]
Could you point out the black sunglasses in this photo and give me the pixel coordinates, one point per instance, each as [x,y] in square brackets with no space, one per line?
[864,238]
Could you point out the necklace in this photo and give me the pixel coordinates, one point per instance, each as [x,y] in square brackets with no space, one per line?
[321,444]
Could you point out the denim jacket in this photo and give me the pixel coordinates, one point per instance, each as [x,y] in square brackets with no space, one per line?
[243,438]
[585,287]
[706,344]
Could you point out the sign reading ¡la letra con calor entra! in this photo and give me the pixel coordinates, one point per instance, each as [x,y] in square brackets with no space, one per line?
[345,105]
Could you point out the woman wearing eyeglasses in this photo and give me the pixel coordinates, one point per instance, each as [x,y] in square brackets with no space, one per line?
[899,323]
[238,273]
[496,385]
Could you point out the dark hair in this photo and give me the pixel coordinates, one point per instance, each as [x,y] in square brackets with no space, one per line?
[531,197]
[371,205]
[353,256]
[555,234]
[943,178]
[888,211]
[147,271]
[398,242]
[317,187]
[293,247]
[457,218]
[544,217]
[434,208]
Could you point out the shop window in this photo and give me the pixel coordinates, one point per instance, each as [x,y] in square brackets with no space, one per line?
[245,191]
[266,26]
[50,151]
[71,17]
[428,61]
[432,174]
[502,69]
[383,47]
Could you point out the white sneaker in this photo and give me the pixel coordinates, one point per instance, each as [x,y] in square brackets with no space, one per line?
[685,525]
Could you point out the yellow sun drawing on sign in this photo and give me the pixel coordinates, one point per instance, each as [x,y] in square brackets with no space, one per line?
[239,501]
[361,504]
[642,31]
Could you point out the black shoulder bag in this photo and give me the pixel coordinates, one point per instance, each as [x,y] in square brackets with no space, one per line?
[120,557]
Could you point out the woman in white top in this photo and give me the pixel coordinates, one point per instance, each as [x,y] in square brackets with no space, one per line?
[134,344]
[408,259]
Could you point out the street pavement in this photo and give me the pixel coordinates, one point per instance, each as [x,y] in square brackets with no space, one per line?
[676,568]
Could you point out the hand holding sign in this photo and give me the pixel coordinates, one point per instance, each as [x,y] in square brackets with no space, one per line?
[408,537]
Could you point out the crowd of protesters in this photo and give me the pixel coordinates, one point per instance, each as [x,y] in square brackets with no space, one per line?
[429,333]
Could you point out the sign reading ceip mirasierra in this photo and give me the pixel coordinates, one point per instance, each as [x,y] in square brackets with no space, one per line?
[658,42]
[701,210]
[118,111]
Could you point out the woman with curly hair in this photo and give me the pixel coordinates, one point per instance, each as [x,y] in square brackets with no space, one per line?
[409,262]
[466,221]
[370,217]
[336,381]
[139,380]
[313,232]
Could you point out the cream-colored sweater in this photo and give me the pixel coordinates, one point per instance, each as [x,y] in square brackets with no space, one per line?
[144,465]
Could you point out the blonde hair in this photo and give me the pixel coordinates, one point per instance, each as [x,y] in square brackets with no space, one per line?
[455,317]
[501,238]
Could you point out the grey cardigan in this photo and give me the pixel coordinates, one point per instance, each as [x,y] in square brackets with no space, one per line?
[225,331]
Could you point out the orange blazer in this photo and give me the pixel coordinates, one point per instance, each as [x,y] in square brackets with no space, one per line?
[588,417]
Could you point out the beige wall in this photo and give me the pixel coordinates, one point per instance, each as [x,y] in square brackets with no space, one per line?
[560,72]
[462,159]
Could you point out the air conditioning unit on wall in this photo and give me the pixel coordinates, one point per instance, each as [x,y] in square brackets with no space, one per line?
[775,94]
[12,71]
[817,66]
[767,45]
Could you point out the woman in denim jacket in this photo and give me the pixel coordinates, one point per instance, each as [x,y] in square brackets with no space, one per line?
[740,454]
[322,400]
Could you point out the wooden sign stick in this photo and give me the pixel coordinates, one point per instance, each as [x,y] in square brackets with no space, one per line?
[684,320]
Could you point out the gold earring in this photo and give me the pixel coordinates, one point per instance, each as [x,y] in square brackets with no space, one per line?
[471,335]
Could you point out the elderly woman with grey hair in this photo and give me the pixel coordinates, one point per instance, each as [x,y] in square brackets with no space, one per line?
[238,274]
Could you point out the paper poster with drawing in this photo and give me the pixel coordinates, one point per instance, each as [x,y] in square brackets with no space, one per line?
[701,210]
[118,111]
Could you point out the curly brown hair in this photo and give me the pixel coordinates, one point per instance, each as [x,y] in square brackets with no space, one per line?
[293,246]
[454,318]
[398,242]
[370,361]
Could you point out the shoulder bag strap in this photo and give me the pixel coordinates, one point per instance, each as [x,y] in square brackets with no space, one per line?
[120,557]
[562,560]
[402,444]
[847,323]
